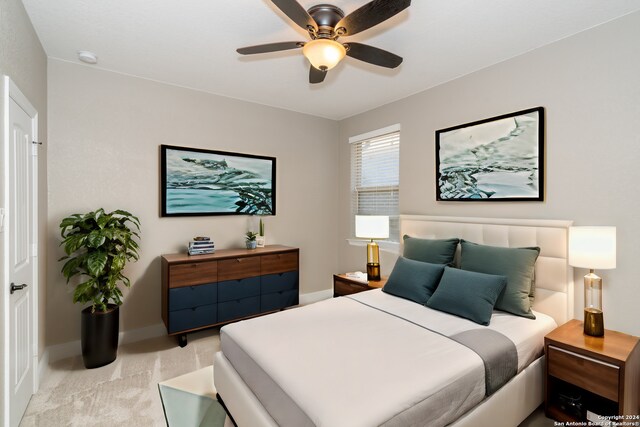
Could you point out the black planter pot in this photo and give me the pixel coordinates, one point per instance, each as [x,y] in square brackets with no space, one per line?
[99,336]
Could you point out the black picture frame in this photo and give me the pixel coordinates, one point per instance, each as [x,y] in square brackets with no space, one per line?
[496,159]
[200,182]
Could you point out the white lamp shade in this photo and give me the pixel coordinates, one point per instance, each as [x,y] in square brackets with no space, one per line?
[372,226]
[592,247]
[324,54]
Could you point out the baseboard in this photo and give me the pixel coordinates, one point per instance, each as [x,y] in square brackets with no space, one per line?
[43,367]
[57,352]
[141,334]
[312,297]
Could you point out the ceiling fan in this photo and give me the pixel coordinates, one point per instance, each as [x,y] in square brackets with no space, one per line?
[325,23]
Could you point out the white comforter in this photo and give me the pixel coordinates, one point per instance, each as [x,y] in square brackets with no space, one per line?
[343,363]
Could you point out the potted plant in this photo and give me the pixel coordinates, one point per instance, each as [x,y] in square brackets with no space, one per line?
[251,239]
[98,246]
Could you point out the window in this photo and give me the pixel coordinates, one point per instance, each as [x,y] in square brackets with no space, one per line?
[375,176]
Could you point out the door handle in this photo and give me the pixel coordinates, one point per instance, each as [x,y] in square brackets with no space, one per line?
[15,287]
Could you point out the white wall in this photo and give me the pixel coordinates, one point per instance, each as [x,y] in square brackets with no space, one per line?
[105,130]
[589,85]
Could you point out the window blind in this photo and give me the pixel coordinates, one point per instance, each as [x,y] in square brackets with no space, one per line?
[375,178]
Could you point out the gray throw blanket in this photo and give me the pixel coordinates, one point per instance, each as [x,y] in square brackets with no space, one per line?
[498,353]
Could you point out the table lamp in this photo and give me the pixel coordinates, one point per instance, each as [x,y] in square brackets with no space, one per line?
[372,227]
[592,247]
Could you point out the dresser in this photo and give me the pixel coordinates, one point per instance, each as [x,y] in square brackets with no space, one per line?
[207,290]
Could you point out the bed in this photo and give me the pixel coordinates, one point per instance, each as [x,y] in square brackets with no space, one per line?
[361,360]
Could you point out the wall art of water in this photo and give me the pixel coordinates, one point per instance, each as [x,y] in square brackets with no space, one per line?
[211,183]
[498,159]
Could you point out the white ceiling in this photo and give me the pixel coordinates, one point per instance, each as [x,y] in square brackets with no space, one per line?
[192,43]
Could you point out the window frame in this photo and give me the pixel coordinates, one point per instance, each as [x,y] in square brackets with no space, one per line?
[393,243]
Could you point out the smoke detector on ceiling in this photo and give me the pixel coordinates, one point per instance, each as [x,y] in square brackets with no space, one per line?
[87,57]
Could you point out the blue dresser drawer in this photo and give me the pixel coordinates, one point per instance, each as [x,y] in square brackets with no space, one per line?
[279,282]
[191,318]
[237,289]
[192,296]
[230,310]
[278,300]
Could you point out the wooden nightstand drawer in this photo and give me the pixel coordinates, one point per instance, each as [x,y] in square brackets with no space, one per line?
[585,372]
[347,288]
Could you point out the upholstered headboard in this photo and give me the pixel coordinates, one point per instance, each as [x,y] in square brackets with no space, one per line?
[553,275]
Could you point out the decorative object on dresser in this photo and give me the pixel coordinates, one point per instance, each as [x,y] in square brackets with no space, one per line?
[346,284]
[229,285]
[372,227]
[98,245]
[208,182]
[501,158]
[260,240]
[592,247]
[250,238]
[591,378]
[201,245]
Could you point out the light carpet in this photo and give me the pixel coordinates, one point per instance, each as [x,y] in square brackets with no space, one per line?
[124,393]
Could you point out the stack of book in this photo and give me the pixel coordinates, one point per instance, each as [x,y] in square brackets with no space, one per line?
[201,245]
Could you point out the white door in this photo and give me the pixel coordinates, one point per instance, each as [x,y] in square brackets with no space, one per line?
[21,255]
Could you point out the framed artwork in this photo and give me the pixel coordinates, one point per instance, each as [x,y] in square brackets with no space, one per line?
[207,182]
[501,159]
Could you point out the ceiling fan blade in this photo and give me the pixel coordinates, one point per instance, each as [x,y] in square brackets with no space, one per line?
[296,13]
[269,47]
[373,55]
[370,15]
[315,75]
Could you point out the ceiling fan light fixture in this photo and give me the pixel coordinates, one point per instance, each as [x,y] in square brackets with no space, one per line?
[324,54]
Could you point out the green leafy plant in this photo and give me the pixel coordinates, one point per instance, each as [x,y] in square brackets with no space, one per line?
[98,245]
[250,236]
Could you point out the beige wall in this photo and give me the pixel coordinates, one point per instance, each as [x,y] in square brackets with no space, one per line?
[589,85]
[104,137]
[24,61]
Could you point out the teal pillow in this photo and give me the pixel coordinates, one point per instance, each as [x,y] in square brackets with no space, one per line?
[434,251]
[413,280]
[517,264]
[467,294]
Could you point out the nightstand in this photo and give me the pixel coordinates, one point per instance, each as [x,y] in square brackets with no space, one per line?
[343,285]
[596,374]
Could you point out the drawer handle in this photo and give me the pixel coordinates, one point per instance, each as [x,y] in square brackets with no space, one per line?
[600,362]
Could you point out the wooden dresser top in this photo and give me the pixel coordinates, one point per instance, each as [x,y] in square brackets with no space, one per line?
[227,253]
